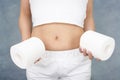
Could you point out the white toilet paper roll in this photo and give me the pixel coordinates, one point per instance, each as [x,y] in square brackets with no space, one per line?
[100,45]
[25,53]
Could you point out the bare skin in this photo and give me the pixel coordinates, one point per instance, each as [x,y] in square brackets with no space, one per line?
[56,35]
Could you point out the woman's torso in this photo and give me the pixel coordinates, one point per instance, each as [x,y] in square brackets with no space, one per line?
[58,36]
[58,23]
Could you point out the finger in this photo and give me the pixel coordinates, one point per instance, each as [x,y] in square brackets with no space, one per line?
[81,50]
[37,61]
[90,55]
[84,52]
[98,59]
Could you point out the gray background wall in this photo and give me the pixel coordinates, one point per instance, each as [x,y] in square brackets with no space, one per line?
[107,21]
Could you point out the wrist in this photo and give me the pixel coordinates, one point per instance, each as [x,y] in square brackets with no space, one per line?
[25,38]
[88,29]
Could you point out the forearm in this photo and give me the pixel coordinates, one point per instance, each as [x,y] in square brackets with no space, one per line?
[25,27]
[89,24]
[89,21]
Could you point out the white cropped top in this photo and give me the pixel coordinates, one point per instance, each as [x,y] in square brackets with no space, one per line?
[65,11]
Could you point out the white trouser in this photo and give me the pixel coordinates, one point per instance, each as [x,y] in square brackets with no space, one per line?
[61,65]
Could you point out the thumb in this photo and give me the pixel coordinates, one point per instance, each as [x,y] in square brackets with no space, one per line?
[37,60]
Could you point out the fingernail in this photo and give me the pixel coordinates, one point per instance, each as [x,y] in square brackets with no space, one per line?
[82,49]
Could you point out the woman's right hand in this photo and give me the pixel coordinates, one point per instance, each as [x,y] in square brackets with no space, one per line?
[87,53]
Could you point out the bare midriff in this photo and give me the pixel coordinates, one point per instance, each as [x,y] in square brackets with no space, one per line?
[58,36]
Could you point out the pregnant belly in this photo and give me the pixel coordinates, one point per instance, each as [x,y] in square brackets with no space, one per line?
[58,36]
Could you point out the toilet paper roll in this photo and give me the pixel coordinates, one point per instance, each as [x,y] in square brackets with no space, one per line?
[25,53]
[101,46]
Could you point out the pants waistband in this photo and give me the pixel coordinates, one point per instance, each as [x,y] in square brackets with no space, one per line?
[63,52]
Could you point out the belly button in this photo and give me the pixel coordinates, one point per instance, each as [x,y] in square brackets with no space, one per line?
[56,38]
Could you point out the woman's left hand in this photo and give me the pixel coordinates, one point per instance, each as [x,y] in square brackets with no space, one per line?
[87,53]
